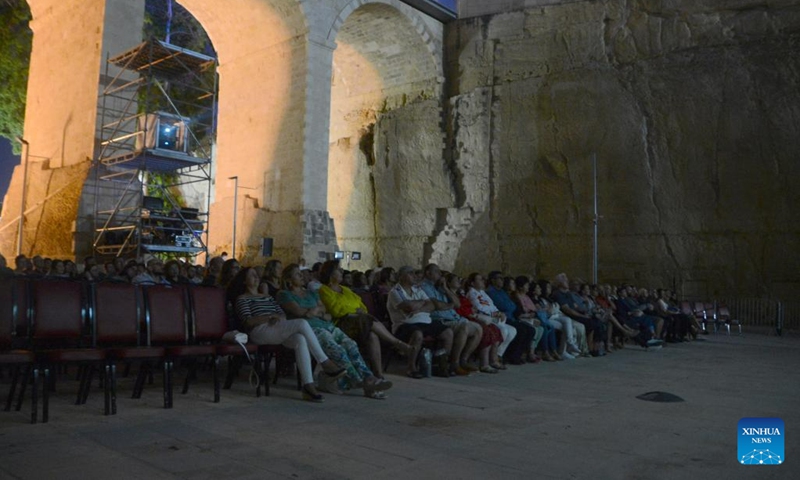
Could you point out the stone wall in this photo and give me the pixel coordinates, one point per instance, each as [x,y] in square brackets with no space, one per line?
[692,110]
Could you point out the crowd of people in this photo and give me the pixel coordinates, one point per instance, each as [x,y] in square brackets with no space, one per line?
[341,319]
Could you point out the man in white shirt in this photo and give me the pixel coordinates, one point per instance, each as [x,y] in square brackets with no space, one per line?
[409,308]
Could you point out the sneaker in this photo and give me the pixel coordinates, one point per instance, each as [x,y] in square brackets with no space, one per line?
[567,356]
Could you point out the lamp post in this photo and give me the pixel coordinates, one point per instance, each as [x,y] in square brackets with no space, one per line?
[596,221]
[20,233]
[235,211]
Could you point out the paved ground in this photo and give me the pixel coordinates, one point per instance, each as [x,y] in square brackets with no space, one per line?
[569,420]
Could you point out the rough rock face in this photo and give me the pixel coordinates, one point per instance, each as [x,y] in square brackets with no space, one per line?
[692,109]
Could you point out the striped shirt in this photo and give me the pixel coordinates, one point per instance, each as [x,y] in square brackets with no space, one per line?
[249,306]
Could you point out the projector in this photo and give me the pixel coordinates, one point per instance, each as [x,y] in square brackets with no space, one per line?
[163,131]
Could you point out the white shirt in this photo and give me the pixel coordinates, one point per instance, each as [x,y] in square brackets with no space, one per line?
[481,302]
[398,295]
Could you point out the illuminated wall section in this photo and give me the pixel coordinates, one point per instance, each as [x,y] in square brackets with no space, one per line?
[262,52]
[381,65]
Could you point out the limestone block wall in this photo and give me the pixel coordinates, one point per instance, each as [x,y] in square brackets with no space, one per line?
[691,109]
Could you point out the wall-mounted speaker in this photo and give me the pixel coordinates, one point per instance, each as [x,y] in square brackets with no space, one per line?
[266,247]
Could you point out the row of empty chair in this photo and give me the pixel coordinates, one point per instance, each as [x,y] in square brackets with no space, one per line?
[45,324]
[711,314]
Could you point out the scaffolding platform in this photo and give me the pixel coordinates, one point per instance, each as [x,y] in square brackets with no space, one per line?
[155,160]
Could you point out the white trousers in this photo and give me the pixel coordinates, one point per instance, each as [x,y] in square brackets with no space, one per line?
[570,329]
[294,334]
[506,330]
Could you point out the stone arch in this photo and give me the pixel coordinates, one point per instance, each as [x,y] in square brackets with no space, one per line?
[414,17]
[386,71]
[262,54]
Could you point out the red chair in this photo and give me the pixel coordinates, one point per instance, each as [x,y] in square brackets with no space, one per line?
[116,314]
[60,334]
[724,316]
[210,323]
[10,317]
[699,312]
[711,315]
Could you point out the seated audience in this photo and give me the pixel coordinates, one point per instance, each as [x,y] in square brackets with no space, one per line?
[213,272]
[350,315]
[299,302]
[409,308]
[271,280]
[262,319]
[154,274]
[573,306]
[518,348]
[488,313]
[172,272]
[466,335]
[527,310]
[491,337]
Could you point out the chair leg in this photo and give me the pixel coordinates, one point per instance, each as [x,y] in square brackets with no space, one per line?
[190,374]
[14,381]
[258,365]
[88,386]
[107,389]
[138,385]
[112,381]
[215,375]
[34,396]
[168,383]
[27,379]
[387,358]
[45,396]
[267,362]
[233,370]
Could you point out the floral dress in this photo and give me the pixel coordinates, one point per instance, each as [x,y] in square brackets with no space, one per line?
[340,348]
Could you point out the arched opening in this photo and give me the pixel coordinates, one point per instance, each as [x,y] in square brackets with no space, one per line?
[262,56]
[385,171]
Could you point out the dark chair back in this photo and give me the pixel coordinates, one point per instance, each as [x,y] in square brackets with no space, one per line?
[7,312]
[166,315]
[210,318]
[58,313]
[116,313]
[369,301]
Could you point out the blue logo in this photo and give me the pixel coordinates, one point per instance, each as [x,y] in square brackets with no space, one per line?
[761,441]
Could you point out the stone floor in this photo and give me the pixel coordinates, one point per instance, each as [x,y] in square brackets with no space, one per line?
[569,420]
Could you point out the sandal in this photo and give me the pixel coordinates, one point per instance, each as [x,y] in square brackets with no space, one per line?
[416,374]
[374,395]
[379,385]
[498,366]
[311,397]
[487,369]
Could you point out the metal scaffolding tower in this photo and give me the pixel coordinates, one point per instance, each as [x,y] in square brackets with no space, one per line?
[157,125]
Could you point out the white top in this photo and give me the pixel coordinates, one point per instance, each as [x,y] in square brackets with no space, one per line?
[398,295]
[481,302]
